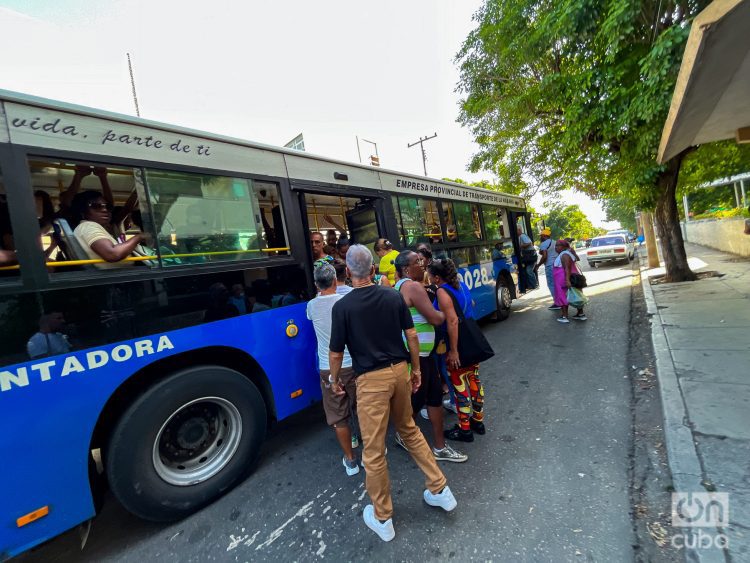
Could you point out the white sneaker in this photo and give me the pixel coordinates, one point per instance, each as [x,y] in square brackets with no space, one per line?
[352,467]
[447,405]
[423,414]
[449,454]
[384,530]
[443,499]
[563,320]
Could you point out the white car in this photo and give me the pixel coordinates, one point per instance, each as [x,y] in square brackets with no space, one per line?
[610,248]
[630,236]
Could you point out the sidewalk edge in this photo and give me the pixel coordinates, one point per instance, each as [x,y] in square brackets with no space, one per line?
[682,456]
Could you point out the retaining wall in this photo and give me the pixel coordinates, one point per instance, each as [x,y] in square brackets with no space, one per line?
[722,234]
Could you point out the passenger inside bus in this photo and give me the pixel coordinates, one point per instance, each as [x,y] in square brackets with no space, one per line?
[94,217]
[342,247]
[219,306]
[119,213]
[7,250]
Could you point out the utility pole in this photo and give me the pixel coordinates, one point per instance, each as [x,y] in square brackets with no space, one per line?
[647,222]
[421,146]
[132,85]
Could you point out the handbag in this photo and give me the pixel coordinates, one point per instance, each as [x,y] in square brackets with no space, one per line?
[473,347]
[578,281]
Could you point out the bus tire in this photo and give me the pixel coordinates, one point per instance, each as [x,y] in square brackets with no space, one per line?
[503,299]
[185,442]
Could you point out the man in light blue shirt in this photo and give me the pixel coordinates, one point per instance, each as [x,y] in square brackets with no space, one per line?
[526,262]
[547,259]
[49,341]
[338,408]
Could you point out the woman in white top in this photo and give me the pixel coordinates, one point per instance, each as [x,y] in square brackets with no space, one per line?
[94,231]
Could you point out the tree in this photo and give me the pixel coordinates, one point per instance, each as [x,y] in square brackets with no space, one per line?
[574,93]
[569,221]
[621,209]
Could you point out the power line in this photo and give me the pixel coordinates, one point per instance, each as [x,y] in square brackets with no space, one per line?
[420,142]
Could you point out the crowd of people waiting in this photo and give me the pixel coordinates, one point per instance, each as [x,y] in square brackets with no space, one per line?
[388,349]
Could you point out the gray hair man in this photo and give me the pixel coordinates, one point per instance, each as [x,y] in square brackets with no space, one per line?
[370,322]
[338,406]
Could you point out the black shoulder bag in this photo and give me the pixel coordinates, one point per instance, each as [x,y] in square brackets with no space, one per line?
[473,347]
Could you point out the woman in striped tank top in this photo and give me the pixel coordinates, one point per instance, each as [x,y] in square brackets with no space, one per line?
[409,275]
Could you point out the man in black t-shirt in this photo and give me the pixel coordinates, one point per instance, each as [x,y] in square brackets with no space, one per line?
[370,321]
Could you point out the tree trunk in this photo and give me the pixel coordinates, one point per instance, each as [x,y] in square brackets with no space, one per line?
[668,224]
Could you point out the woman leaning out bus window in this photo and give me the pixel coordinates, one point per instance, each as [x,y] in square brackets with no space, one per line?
[94,231]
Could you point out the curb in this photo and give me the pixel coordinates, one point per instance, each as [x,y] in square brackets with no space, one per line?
[682,456]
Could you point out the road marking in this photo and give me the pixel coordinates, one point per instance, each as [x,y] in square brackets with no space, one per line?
[280,530]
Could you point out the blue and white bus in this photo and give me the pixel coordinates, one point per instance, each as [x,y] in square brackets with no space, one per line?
[157,376]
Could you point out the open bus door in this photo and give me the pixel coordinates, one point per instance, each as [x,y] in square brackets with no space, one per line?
[522,219]
[364,224]
[354,213]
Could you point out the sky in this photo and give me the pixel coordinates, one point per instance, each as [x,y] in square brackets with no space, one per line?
[263,71]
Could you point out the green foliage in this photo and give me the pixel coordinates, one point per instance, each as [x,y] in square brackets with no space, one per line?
[574,93]
[569,221]
[621,209]
[723,214]
[712,162]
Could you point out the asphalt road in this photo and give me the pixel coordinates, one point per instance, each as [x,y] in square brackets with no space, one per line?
[548,482]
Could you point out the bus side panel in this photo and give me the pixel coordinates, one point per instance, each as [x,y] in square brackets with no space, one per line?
[480,279]
[49,408]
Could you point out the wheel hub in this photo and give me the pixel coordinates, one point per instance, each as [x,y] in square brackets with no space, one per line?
[197,441]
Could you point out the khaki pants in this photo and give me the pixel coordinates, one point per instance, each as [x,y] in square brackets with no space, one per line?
[384,394]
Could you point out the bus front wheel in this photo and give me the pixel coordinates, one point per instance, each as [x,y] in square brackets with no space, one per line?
[186,441]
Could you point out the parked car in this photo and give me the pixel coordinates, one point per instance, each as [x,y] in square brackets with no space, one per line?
[630,236]
[609,248]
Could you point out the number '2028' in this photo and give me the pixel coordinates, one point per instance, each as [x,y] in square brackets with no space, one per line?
[475,278]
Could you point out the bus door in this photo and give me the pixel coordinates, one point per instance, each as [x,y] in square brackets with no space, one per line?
[523,220]
[364,227]
[355,214]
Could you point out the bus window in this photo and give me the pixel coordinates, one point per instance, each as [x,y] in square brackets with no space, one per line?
[272,220]
[201,218]
[8,262]
[467,221]
[81,204]
[451,234]
[419,221]
[493,222]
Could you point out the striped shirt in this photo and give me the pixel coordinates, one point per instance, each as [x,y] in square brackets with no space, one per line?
[425,331]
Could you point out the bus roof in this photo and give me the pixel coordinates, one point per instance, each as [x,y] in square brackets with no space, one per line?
[297,165]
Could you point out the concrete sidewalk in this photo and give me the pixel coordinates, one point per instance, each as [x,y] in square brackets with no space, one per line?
[701,335]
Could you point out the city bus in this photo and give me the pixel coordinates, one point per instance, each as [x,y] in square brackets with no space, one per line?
[156,375]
